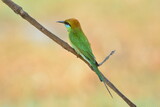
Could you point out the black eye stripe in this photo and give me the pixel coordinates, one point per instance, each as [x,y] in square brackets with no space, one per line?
[67,23]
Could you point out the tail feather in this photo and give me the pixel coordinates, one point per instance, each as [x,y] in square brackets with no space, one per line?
[108,89]
[96,70]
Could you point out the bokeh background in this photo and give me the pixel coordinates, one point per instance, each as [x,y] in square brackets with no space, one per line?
[36,72]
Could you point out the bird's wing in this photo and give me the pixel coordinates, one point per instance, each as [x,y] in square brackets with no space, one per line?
[82,46]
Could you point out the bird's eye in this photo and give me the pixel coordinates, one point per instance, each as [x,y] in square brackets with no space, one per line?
[66,23]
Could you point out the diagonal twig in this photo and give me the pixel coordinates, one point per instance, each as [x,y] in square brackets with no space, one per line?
[112,52]
[17,9]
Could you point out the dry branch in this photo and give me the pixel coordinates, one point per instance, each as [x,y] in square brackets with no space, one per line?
[17,9]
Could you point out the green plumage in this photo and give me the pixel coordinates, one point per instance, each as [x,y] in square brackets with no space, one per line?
[82,46]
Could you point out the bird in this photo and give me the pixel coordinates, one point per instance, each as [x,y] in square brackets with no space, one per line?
[81,45]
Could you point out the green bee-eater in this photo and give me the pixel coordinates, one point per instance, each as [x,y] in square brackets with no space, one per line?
[81,44]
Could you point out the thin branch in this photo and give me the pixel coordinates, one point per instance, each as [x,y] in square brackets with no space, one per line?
[17,9]
[118,92]
[112,52]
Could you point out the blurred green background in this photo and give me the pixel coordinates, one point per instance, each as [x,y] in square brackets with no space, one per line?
[36,72]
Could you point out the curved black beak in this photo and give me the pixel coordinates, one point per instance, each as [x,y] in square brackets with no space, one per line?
[60,21]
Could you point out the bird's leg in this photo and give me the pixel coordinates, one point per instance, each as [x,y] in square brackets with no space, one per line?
[112,52]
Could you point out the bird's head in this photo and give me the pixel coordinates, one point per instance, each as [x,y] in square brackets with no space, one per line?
[71,24]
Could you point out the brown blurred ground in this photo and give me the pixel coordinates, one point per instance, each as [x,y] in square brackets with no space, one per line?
[36,72]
